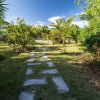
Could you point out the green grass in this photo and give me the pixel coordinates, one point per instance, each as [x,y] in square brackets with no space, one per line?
[12,71]
[13,68]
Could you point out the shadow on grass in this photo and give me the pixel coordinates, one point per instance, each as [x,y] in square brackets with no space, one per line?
[12,75]
[77,80]
[66,53]
[72,53]
[8,53]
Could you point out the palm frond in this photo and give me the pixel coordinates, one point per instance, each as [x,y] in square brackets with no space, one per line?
[2,9]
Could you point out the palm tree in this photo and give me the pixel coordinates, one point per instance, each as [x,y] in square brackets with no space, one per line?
[2,9]
[66,28]
[2,13]
[57,26]
[74,33]
[62,27]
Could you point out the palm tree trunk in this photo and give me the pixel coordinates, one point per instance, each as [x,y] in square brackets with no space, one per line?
[76,41]
[63,42]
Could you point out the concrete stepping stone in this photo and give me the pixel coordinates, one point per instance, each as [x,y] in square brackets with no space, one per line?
[50,71]
[44,49]
[30,60]
[45,57]
[31,55]
[27,95]
[30,64]
[33,50]
[35,56]
[43,52]
[50,64]
[60,84]
[43,60]
[35,82]
[29,71]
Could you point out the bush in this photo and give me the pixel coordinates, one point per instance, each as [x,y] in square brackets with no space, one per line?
[31,47]
[92,43]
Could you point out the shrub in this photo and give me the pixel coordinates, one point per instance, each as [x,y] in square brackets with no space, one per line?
[92,43]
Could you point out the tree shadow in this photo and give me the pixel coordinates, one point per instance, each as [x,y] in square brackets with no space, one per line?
[72,53]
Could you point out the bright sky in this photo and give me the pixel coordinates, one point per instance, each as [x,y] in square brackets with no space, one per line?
[41,11]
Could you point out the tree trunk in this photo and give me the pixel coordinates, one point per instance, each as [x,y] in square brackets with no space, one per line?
[63,42]
[64,45]
[53,43]
[14,47]
[76,41]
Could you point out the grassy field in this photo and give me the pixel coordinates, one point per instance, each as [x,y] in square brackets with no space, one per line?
[81,83]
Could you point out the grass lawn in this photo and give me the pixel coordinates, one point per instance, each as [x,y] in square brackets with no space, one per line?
[12,75]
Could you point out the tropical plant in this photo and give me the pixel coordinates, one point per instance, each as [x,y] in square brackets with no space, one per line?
[66,29]
[2,9]
[60,30]
[74,33]
[57,27]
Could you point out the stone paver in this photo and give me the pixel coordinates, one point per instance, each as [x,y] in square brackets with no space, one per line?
[31,60]
[29,71]
[44,49]
[31,55]
[50,64]
[27,95]
[33,50]
[30,64]
[43,60]
[29,82]
[50,71]
[45,57]
[43,52]
[60,84]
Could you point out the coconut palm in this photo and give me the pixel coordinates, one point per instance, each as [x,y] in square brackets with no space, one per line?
[66,29]
[62,27]
[57,26]
[2,9]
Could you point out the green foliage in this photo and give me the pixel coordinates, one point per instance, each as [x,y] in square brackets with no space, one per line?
[40,32]
[74,32]
[2,9]
[89,36]
[92,43]
[19,35]
[2,57]
[84,33]
[60,30]
[57,30]
[66,27]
